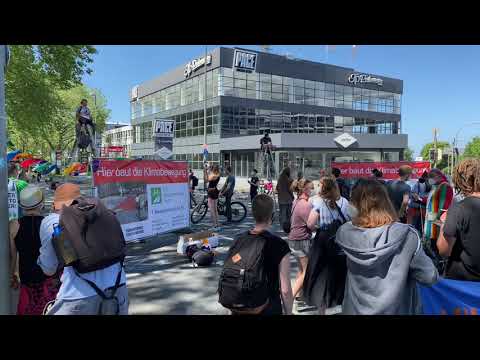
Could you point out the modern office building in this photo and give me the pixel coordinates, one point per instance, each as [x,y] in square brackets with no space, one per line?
[118,135]
[316,113]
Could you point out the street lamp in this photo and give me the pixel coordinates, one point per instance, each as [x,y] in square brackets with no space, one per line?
[94,98]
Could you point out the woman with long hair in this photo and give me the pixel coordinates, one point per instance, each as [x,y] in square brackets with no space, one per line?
[459,238]
[299,238]
[213,177]
[285,195]
[385,258]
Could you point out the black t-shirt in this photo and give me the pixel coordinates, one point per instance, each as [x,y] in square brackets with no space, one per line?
[265,140]
[28,245]
[463,223]
[396,190]
[254,180]
[275,250]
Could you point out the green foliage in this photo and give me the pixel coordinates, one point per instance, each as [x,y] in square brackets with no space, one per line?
[43,89]
[440,145]
[473,148]
[408,154]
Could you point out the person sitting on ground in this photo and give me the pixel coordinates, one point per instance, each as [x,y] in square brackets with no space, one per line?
[399,192]
[254,182]
[300,236]
[83,293]
[36,288]
[276,257]
[459,238]
[342,184]
[385,259]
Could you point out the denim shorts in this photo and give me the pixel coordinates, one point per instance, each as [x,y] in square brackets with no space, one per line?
[300,248]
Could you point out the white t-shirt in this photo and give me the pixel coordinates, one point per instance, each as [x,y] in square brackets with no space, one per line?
[84,112]
[326,214]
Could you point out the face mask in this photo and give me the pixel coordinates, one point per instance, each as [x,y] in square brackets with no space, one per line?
[352,211]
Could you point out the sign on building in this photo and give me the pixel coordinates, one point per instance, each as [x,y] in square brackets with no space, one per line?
[364,79]
[163,134]
[195,64]
[245,60]
[345,140]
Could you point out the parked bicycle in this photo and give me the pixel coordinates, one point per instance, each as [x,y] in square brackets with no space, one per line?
[239,211]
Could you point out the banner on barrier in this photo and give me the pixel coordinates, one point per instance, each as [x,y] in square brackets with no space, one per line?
[451,297]
[149,197]
[389,169]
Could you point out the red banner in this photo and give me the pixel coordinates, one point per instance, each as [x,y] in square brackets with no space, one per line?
[389,169]
[141,171]
[115,149]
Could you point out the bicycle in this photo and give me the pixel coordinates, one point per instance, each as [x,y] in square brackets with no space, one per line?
[239,211]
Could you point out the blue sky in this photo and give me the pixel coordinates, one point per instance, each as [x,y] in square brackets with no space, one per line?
[441,83]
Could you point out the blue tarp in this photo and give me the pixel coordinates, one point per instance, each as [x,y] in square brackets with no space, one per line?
[451,297]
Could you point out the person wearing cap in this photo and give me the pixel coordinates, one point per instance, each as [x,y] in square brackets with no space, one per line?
[76,296]
[36,288]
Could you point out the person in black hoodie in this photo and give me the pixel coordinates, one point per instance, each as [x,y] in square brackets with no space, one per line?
[342,185]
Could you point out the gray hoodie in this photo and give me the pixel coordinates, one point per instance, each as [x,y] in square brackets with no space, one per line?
[383,272]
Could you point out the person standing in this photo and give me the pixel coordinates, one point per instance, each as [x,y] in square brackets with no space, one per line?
[342,185]
[378,175]
[399,192]
[272,294]
[459,238]
[36,288]
[285,196]
[227,191]
[94,281]
[300,236]
[326,267]
[254,182]
[437,202]
[213,178]
[416,210]
[385,259]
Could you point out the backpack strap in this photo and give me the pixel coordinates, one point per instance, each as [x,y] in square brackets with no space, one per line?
[340,212]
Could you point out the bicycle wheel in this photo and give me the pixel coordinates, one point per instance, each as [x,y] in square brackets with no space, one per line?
[239,211]
[199,213]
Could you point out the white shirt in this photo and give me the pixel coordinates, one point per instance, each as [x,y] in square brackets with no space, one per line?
[326,214]
[84,112]
[73,287]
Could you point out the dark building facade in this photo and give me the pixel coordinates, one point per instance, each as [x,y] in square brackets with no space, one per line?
[316,113]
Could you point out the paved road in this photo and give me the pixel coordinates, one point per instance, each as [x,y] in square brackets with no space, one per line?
[162,282]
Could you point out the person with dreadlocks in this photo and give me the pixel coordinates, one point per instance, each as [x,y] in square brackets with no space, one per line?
[459,238]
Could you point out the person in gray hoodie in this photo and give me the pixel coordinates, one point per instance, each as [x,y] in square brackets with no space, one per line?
[385,258]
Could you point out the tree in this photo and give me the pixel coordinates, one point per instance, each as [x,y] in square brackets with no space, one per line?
[473,148]
[425,153]
[408,154]
[34,80]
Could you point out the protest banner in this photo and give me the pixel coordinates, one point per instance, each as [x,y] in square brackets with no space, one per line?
[451,297]
[389,169]
[149,197]
[12,201]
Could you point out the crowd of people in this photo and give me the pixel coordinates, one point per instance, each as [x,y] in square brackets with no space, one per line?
[364,247]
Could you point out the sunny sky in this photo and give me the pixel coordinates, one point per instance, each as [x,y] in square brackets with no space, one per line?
[440,82]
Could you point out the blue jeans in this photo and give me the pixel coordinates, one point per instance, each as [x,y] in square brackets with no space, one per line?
[89,305]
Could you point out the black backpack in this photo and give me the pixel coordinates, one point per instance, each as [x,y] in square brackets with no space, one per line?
[194,181]
[243,283]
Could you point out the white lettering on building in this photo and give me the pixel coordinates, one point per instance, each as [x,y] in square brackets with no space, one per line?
[364,79]
[245,60]
[193,65]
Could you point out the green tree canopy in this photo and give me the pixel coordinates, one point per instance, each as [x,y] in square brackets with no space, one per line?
[440,145]
[408,154]
[473,148]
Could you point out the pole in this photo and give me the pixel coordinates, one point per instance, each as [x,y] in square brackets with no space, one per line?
[435,147]
[205,115]
[5,294]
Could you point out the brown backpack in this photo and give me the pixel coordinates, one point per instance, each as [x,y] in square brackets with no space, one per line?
[93,233]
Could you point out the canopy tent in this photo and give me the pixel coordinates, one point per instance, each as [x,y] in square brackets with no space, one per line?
[26,163]
[12,154]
